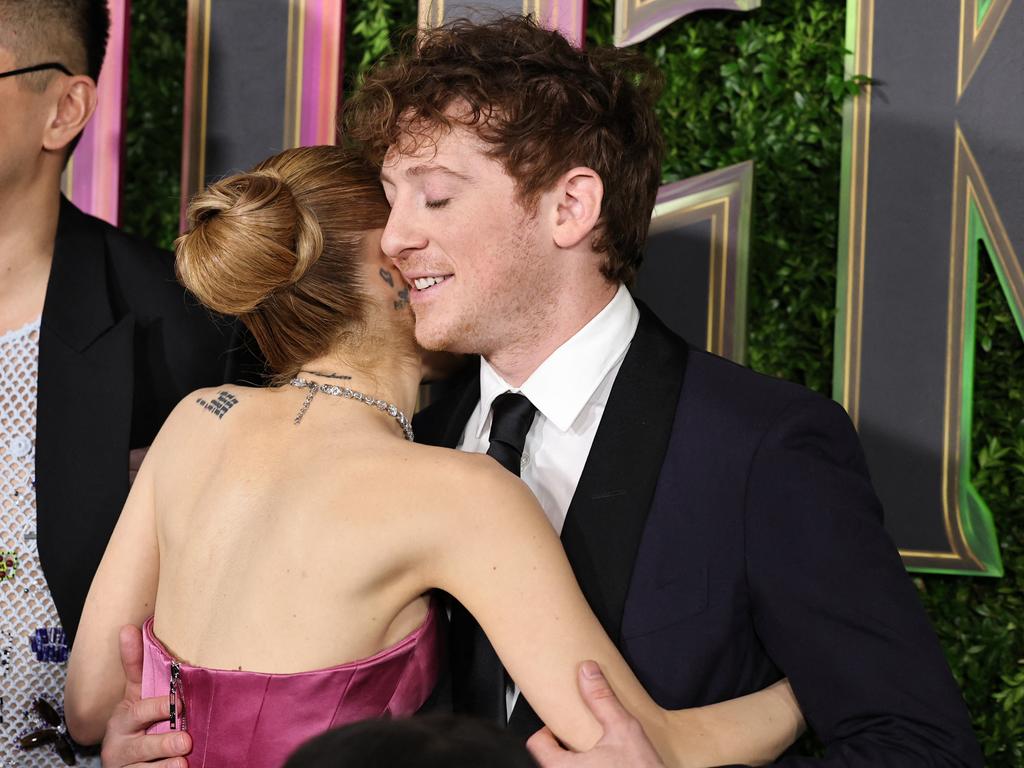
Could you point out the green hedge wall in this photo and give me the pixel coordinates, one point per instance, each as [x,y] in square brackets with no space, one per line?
[153,120]
[766,85]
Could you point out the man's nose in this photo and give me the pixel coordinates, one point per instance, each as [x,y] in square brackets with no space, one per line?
[401,236]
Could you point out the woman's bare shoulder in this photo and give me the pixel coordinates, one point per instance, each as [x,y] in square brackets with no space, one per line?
[465,483]
[202,415]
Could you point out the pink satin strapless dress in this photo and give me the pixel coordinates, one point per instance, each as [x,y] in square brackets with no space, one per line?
[257,720]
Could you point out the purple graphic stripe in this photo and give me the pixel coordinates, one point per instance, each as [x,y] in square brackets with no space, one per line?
[568,17]
[96,164]
[321,71]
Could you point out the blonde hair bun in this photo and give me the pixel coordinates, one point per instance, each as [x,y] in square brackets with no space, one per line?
[249,237]
[283,247]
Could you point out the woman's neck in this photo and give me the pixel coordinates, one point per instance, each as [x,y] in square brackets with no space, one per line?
[394,379]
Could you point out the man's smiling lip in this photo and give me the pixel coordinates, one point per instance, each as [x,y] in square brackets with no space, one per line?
[424,286]
[421,281]
[410,276]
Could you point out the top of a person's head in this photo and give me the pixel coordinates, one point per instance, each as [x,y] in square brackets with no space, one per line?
[281,247]
[430,741]
[542,106]
[70,32]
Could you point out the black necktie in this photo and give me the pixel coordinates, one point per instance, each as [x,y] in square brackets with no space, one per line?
[511,417]
[483,689]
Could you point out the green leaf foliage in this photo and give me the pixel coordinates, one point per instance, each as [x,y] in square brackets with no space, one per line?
[768,86]
[371,30]
[153,120]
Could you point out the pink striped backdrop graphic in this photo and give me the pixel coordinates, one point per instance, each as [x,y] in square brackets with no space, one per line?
[567,16]
[92,179]
[321,71]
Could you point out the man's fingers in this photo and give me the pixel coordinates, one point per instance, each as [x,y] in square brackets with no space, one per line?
[126,744]
[133,717]
[141,750]
[130,641]
[174,762]
[544,747]
[599,697]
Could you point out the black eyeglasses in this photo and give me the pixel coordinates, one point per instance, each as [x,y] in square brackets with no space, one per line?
[56,734]
[38,68]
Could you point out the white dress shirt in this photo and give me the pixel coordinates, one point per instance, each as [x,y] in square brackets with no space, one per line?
[570,390]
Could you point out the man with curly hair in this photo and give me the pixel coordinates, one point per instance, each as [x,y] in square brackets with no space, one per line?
[721,523]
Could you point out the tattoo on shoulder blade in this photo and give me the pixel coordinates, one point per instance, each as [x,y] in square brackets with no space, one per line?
[220,405]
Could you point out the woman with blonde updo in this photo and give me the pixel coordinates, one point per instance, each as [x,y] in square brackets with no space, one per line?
[281,545]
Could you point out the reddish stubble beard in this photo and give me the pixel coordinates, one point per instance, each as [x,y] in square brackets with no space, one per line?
[504,315]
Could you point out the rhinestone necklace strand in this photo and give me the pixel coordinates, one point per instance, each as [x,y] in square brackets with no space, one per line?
[335,391]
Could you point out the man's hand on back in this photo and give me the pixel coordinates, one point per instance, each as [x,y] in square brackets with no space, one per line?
[126,744]
[623,745]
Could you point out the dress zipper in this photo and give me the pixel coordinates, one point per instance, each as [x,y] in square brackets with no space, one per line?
[177,691]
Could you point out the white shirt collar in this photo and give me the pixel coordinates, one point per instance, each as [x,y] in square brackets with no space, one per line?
[564,383]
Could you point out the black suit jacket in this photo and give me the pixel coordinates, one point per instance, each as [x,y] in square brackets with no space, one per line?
[120,344]
[725,532]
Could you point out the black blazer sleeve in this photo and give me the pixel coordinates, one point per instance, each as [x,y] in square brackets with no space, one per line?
[834,607]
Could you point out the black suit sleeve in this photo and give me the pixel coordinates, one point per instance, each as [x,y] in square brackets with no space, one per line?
[835,608]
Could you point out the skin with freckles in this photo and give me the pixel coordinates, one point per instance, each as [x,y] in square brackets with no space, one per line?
[514,287]
[499,272]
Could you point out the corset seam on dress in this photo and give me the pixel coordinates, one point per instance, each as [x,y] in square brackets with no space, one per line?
[255,721]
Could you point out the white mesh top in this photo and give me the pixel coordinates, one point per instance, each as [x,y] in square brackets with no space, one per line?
[33,650]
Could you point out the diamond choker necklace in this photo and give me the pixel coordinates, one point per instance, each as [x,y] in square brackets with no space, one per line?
[335,391]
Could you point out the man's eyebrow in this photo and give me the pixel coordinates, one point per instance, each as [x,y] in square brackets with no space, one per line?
[425,168]
[420,170]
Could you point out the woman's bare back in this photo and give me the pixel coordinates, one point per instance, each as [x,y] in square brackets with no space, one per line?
[289,547]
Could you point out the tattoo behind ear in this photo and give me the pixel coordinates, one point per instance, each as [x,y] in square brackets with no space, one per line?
[220,405]
[403,299]
[403,294]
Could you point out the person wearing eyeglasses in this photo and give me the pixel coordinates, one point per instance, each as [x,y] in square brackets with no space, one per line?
[97,344]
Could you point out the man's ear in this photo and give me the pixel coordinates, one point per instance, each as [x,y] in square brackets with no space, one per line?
[75,104]
[578,196]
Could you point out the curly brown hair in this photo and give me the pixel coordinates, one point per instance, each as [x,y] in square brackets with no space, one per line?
[542,105]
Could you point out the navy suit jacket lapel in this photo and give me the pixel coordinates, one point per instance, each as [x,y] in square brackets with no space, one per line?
[608,512]
[609,509]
